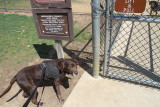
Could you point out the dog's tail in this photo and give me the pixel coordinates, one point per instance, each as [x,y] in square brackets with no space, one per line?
[9,87]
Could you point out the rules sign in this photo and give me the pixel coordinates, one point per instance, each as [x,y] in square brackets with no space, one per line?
[130,6]
[53,19]
[54,23]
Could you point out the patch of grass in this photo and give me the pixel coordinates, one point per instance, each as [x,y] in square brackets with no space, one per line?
[16,4]
[17,36]
[83,36]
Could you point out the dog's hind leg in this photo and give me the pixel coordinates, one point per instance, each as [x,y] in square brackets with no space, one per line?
[25,95]
[29,91]
[34,98]
[25,85]
[28,88]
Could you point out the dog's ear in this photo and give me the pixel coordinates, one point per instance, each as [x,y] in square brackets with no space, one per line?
[60,64]
[75,61]
[152,2]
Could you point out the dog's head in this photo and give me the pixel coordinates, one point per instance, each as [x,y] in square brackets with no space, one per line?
[68,66]
[153,4]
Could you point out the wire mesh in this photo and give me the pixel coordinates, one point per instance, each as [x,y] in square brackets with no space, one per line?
[134,47]
[81,6]
[102,27]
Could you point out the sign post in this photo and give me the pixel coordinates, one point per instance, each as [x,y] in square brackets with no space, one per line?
[53,20]
[59,49]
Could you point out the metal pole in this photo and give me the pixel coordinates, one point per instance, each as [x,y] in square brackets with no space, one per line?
[96,37]
[129,39]
[150,49]
[5,5]
[106,50]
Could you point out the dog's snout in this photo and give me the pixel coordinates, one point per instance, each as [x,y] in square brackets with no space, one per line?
[75,73]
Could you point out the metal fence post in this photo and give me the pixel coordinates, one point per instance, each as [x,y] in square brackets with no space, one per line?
[106,46]
[5,5]
[96,36]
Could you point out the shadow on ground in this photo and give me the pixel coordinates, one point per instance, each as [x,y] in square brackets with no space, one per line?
[128,71]
[45,51]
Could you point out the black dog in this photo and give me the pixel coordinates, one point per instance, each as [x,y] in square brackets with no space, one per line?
[155,6]
[27,76]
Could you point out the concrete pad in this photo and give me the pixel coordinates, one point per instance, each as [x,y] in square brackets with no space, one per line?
[91,92]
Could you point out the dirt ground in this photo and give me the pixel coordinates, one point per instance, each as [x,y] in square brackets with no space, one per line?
[49,97]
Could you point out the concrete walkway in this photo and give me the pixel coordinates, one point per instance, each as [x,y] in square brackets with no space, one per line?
[91,92]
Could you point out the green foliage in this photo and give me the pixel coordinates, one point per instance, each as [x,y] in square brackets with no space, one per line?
[16,4]
[82,36]
[17,36]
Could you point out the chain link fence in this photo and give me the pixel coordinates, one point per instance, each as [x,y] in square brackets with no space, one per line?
[134,46]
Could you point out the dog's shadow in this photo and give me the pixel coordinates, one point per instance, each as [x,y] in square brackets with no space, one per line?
[45,51]
[65,84]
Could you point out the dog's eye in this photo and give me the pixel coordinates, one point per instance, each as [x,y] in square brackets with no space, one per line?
[66,64]
[73,65]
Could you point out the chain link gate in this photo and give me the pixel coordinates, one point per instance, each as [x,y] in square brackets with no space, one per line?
[134,46]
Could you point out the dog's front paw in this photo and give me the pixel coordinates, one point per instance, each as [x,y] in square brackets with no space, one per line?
[40,103]
[61,101]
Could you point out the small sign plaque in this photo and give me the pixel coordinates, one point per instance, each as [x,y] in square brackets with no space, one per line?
[51,3]
[54,23]
[130,6]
